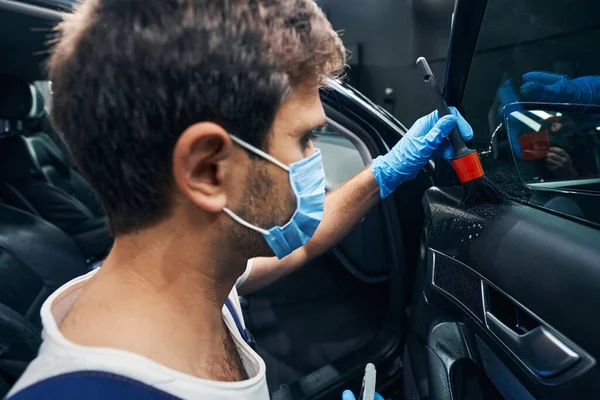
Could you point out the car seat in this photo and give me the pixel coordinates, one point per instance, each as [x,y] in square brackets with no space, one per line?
[36,175]
[36,258]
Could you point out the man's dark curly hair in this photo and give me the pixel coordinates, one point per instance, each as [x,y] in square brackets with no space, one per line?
[129,76]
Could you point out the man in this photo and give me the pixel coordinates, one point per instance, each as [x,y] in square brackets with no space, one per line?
[193,120]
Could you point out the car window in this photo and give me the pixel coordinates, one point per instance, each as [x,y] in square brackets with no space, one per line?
[341,157]
[538,60]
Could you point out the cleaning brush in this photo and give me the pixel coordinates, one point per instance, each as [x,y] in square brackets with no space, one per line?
[477,188]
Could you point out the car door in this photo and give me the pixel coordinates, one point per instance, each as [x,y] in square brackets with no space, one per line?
[318,327]
[506,294]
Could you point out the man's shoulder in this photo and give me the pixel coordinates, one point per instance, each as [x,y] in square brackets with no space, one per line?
[57,374]
[90,385]
[69,363]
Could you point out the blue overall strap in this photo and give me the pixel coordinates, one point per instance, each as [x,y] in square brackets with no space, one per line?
[91,385]
[246,335]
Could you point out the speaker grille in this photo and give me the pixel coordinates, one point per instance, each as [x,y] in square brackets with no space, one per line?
[458,281]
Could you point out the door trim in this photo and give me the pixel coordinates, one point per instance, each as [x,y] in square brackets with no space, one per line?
[584,364]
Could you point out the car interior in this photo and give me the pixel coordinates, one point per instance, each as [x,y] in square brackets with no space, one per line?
[505,290]
[36,175]
[51,226]
[53,230]
[291,319]
[449,301]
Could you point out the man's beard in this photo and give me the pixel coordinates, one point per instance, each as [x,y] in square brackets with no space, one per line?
[264,205]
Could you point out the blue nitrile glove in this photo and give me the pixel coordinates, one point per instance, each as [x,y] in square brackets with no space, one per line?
[426,139]
[555,88]
[506,95]
[348,395]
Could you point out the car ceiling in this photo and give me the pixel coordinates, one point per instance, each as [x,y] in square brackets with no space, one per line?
[24,34]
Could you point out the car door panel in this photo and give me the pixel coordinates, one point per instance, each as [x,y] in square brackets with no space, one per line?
[537,266]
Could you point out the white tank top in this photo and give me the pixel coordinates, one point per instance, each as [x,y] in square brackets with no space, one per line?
[58,356]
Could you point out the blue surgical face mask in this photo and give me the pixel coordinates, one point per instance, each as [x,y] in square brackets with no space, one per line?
[307,179]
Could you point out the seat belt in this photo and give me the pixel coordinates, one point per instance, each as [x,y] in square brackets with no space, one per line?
[91,385]
[246,335]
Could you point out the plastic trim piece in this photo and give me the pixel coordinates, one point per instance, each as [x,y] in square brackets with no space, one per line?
[30,9]
[577,368]
[339,87]
[539,349]
[562,184]
[504,380]
[431,266]
[447,346]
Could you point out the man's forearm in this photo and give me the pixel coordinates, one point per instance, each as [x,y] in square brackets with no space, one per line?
[344,207]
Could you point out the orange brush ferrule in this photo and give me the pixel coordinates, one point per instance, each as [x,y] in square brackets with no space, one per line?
[468,167]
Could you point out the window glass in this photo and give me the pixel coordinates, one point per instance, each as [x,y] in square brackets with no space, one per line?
[542,56]
[341,158]
[554,147]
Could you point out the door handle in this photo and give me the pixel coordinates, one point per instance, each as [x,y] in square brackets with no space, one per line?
[538,348]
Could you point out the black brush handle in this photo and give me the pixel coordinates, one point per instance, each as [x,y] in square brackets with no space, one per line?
[460,149]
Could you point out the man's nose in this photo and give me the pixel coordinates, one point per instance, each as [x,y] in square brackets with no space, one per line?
[310,149]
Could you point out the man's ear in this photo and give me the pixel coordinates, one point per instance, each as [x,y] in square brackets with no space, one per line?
[196,164]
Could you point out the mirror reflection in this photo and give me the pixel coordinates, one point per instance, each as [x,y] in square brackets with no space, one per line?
[555,146]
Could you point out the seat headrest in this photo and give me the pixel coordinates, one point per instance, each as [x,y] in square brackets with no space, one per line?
[19,100]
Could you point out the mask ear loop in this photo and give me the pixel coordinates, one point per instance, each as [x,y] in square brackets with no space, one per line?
[267,157]
[239,220]
[259,152]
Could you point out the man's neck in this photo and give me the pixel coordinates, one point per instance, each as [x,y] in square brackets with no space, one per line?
[176,268]
[161,297]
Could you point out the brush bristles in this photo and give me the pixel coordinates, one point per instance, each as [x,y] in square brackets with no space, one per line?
[480,191]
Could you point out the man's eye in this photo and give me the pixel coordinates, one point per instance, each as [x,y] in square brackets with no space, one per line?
[307,138]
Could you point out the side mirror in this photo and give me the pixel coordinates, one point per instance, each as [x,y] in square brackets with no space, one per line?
[555,145]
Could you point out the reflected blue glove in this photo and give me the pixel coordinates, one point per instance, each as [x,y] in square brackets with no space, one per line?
[555,88]
[348,395]
[427,138]
[506,95]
